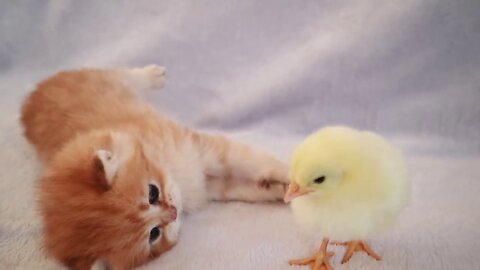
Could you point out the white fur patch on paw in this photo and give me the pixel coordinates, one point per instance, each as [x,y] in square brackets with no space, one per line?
[154,74]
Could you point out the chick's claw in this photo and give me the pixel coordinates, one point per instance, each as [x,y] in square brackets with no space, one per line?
[319,261]
[304,261]
[322,262]
[355,246]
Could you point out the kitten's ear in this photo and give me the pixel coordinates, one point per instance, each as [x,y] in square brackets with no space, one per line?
[107,166]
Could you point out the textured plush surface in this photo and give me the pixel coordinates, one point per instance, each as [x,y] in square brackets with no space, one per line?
[270,72]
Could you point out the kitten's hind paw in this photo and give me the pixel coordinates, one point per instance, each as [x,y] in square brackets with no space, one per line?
[154,76]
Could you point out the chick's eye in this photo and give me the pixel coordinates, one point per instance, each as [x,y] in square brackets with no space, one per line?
[154,234]
[152,194]
[319,180]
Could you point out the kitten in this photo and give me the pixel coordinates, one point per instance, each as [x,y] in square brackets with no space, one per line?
[118,175]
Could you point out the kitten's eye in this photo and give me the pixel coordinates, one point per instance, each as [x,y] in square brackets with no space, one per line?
[154,234]
[319,180]
[152,194]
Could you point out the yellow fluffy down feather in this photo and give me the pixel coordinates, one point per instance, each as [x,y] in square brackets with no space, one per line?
[350,184]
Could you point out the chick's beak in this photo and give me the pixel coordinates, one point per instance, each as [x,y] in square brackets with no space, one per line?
[293,192]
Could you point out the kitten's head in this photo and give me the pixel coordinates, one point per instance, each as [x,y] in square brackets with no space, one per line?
[101,199]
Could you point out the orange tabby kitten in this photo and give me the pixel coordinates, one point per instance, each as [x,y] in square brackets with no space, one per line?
[118,174]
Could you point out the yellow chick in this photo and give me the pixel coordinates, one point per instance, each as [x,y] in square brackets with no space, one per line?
[347,185]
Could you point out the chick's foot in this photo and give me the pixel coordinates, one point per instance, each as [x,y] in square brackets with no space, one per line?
[354,246]
[319,261]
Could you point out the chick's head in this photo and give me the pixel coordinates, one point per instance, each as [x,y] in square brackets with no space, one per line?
[325,163]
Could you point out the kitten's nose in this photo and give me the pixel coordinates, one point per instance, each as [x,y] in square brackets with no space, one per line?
[170,214]
[173,212]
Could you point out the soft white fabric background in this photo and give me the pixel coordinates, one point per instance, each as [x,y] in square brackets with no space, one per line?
[270,72]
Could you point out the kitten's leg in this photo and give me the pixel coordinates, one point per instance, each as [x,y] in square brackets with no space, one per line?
[81,264]
[99,265]
[148,77]
[236,171]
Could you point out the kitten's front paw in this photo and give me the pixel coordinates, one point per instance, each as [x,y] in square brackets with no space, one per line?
[268,184]
[275,188]
[275,182]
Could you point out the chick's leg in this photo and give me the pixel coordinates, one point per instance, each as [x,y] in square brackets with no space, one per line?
[318,261]
[354,246]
